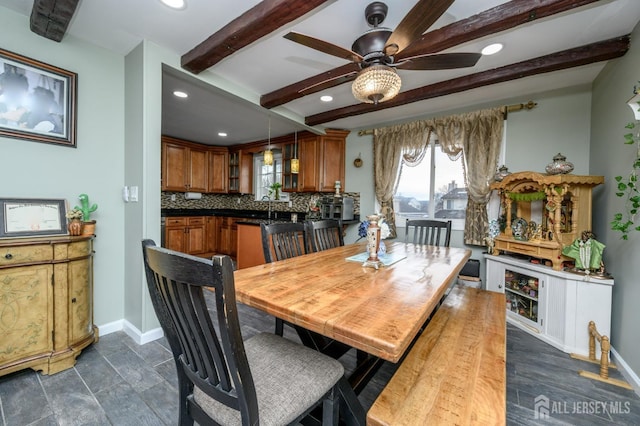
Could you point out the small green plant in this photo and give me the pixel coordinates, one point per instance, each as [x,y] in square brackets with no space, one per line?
[74,214]
[627,188]
[274,189]
[84,207]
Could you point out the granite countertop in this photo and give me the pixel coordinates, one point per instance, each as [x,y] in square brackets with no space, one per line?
[254,217]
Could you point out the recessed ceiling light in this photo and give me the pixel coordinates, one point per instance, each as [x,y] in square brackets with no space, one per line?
[492,49]
[175,4]
[180,94]
[222,134]
[326,98]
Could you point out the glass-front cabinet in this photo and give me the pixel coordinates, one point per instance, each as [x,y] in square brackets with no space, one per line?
[522,291]
[289,178]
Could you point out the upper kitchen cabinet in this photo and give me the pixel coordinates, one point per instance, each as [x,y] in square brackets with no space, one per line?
[240,172]
[185,166]
[218,168]
[322,161]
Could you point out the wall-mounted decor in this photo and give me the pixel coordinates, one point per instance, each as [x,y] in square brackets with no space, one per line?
[26,217]
[37,100]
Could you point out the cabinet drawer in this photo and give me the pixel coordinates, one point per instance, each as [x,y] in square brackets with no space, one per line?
[194,221]
[176,221]
[25,254]
[73,250]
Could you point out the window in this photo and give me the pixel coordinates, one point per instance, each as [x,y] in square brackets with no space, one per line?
[265,176]
[434,188]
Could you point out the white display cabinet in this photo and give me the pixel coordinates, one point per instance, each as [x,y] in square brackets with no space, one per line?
[555,306]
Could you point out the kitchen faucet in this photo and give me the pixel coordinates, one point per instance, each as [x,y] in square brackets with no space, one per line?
[269,208]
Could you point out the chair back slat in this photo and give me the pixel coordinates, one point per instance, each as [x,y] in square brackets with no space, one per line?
[430,232]
[215,362]
[324,234]
[283,241]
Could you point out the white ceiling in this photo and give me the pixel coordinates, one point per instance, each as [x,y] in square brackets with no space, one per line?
[274,62]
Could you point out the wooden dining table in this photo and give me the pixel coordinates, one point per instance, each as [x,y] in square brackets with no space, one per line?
[378,311]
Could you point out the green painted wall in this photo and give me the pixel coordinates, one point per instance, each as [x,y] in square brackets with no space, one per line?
[610,157]
[95,167]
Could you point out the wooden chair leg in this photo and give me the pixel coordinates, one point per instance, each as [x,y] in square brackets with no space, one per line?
[331,408]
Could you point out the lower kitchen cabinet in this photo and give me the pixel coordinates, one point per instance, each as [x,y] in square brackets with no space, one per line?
[186,234]
[46,302]
[250,251]
[228,243]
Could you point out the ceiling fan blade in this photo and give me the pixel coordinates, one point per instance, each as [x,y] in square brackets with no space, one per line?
[444,61]
[416,22]
[323,46]
[330,82]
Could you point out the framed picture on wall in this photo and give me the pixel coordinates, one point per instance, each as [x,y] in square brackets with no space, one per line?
[37,100]
[26,217]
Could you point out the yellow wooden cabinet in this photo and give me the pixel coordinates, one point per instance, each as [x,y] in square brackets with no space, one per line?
[46,302]
[560,204]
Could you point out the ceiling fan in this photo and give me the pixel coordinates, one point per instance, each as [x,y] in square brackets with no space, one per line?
[376,50]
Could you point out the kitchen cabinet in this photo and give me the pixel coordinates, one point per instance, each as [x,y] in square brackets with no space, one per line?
[213,234]
[47,303]
[554,306]
[322,161]
[240,172]
[218,169]
[250,251]
[184,166]
[186,234]
[228,242]
[289,179]
[544,213]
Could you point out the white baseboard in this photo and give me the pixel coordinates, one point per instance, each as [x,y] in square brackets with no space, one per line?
[140,337]
[626,371]
[110,327]
[123,325]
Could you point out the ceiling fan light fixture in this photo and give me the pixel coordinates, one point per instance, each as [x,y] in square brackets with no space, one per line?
[375,84]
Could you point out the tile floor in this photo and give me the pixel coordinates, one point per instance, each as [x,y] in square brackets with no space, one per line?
[117,382]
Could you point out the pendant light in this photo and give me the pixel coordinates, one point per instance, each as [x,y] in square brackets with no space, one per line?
[268,154]
[295,163]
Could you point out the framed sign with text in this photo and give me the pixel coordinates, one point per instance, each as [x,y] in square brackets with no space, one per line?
[25,217]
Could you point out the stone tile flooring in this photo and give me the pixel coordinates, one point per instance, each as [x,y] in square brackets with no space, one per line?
[117,382]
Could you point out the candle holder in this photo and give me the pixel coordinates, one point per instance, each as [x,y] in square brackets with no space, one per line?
[373,242]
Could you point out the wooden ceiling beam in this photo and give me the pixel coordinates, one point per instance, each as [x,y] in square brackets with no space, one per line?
[259,21]
[494,20]
[50,18]
[584,55]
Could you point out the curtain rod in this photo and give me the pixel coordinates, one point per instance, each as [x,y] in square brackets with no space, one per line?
[506,110]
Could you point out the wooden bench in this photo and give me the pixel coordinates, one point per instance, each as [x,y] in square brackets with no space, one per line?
[455,372]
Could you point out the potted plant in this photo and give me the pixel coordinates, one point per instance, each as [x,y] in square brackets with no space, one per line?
[75,223]
[89,226]
[627,187]
[275,190]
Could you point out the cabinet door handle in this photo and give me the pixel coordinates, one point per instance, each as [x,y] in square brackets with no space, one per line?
[499,285]
[73,300]
[8,256]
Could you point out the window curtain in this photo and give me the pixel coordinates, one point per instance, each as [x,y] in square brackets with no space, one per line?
[478,135]
[408,142]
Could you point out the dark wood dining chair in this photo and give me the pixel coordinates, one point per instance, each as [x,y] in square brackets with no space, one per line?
[324,234]
[222,380]
[282,241]
[430,232]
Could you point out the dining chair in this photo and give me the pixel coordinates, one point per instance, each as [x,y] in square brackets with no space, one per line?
[324,234]
[222,380]
[282,241]
[430,232]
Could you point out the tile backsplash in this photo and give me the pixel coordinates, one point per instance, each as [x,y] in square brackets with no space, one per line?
[299,202]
